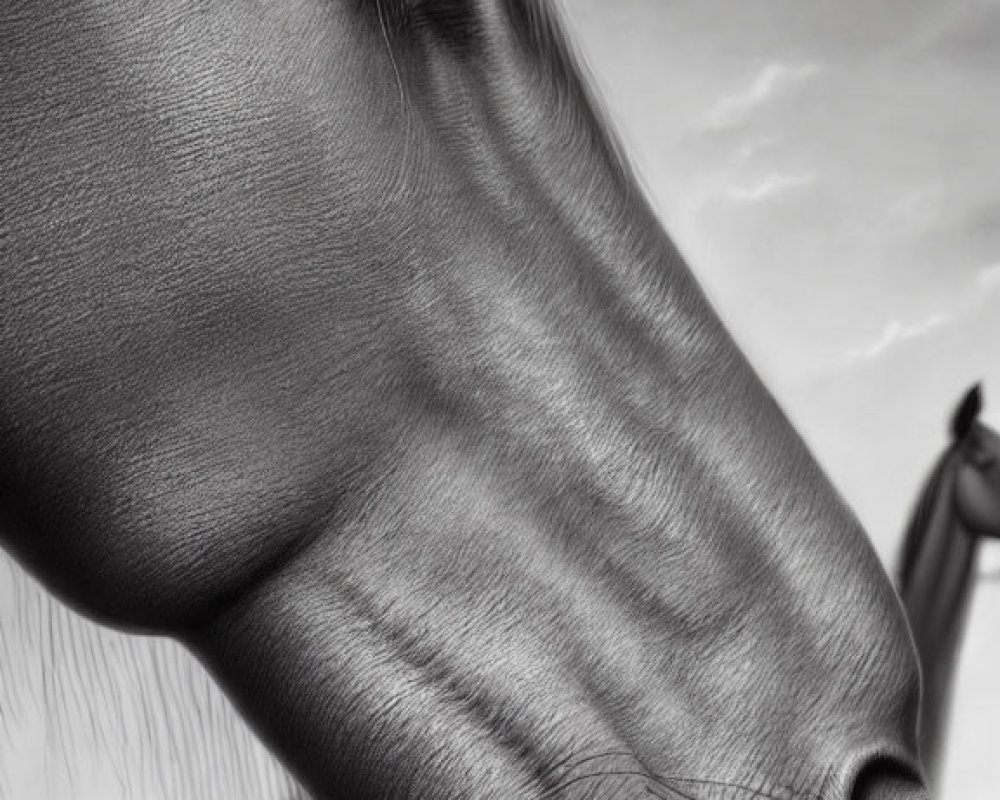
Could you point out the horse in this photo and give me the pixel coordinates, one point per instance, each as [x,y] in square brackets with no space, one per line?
[958,507]
[934,577]
[340,345]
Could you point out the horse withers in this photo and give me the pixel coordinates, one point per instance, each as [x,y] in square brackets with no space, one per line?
[338,342]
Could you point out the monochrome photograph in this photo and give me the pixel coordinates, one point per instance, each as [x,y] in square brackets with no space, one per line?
[499,400]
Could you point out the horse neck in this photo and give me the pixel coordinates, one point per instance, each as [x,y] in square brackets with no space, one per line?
[935,580]
[648,404]
[494,107]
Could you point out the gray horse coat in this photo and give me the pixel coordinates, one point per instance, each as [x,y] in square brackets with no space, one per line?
[338,343]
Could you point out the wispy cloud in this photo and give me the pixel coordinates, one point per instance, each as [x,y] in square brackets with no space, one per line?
[988,278]
[768,187]
[893,334]
[771,80]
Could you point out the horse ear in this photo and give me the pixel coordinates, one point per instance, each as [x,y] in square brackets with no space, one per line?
[967,412]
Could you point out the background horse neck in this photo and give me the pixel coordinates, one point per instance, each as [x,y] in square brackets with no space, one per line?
[935,580]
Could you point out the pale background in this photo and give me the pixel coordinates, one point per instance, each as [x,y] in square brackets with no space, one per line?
[830,169]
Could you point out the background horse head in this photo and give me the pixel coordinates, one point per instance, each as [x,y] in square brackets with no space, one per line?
[958,507]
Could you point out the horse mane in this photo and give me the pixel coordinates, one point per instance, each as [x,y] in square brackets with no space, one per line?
[539,30]
[540,27]
[460,24]
[926,510]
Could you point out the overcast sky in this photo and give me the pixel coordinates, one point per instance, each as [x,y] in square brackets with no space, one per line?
[831,170]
